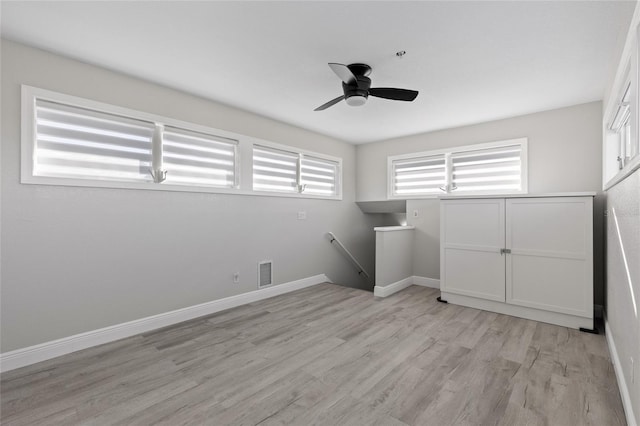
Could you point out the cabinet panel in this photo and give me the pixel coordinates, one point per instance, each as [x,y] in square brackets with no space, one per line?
[474,273]
[550,225]
[550,265]
[471,237]
[473,223]
[549,283]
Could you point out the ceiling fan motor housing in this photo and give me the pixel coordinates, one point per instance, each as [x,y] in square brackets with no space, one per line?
[359,88]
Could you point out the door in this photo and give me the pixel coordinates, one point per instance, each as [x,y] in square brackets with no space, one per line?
[472,235]
[550,266]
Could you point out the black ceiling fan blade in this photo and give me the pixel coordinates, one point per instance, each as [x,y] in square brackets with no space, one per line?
[392,93]
[343,72]
[330,103]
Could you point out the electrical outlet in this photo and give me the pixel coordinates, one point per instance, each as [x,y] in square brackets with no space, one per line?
[302,215]
[415,213]
[236,277]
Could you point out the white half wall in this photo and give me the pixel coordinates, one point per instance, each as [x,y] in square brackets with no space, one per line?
[564,156]
[394,254]
[76,259]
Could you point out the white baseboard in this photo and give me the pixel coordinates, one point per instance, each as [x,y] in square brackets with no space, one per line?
[557,318]
[388,290]
[426,282]
[622,384]
[44,351]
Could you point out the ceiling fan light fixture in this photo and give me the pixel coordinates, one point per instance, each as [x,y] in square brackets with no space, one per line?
[356,100]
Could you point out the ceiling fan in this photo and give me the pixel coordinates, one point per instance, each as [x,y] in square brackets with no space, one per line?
[357,87]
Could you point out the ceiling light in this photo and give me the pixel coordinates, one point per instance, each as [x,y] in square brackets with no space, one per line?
[356,100]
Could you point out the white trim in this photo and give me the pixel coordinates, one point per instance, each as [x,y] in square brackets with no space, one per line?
[557,318]
[628,170]
[524,170]
[426,282]
[394,228]
[44,351]
[390,289]
[622,384]
[540,195]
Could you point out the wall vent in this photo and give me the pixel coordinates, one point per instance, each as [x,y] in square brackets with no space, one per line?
[265,273]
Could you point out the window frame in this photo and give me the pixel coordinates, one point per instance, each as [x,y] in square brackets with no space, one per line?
[628,75]
[448,152]
[301,153]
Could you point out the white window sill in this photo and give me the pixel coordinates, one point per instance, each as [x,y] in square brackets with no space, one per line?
[148,186]
[631,167]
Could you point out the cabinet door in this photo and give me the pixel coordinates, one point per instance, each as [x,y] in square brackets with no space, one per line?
[471,237]
[550,266]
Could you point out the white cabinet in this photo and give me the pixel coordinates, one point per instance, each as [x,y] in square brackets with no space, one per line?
[530,257]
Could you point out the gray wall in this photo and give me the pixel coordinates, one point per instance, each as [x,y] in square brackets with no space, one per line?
[564,156]
[623,285]
[76,259]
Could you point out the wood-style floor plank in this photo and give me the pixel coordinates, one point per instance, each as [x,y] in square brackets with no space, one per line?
[328,355]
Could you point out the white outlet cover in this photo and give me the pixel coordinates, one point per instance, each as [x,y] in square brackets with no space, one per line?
[302,215]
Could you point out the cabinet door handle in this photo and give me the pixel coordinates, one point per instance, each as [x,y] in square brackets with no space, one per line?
[505,251]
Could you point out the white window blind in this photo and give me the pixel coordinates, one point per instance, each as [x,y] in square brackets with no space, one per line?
[275,170]
[488,168]
[621,128]
[419,175]
[74,142]
[280,170]
[491,169]
[319,176]
[193,158]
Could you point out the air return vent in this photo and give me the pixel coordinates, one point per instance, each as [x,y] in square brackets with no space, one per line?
[265,273]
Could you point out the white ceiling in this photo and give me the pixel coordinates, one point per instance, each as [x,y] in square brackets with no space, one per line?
[471,61]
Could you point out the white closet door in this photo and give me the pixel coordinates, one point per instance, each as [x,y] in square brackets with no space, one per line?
[472,235]
[550,266]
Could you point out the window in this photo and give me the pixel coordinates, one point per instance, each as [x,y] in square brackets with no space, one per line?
[618,130]
[491,168]
[274,170]
[287,171]
[192,158]
[419,175]
[318,176]
[74,141]
[620,119]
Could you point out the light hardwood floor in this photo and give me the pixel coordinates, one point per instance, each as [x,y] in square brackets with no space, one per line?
[334,356]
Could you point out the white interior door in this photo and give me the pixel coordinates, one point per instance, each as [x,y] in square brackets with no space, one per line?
[550,266]
[472,234]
